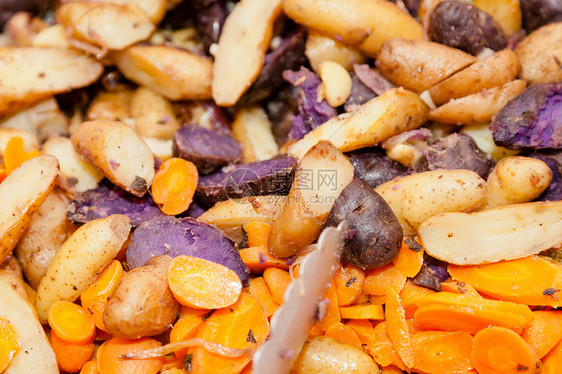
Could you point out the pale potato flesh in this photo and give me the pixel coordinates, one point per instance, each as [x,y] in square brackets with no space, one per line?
[540,55]
[252,129]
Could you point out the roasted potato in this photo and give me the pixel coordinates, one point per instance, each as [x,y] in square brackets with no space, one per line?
[252,129]
[153,114]
[540,55]
[537,13]
[320,48]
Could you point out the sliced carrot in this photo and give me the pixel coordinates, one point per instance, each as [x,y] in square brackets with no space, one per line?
[332,312]
[409,294]
[173,371]
[349,284]
[532,280]
[552,362]
[259,289]
[185,328]
[174,185]
[366,299]
[316,330]
[95,298]
[258,233]
[172,362]
[15,154]
[465,318]
[71,323]
[343,334]
[109,361]
[398,331]
[71,357]
[382,350]
[90,367]
[364,330]
[365,311]
[499,350]
[544,331]
[199,283]
[377,300]
[408,261]
[387,280]
[442,352]
[9,343]
[277,280]
[391,370]
[243,325]
[459,287]
[257,259]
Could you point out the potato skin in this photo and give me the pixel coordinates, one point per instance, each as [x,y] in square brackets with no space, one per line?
[460,25]
[377,234]
[142,304]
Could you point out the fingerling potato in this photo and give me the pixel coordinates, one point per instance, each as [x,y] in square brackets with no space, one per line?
[540,54]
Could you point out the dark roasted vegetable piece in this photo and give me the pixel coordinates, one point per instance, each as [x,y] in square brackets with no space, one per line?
[375,234]
[461,25]
[171,236]
[373,79]
[288,56]
[455,151]
[269,177]
[209,22]
[108,199]
[359,95]
[280,111]
[554,162]
[427,278]
[537,13]
[372,165]
[532,120]
[207,149]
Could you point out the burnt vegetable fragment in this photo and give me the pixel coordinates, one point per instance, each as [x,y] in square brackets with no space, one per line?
[170,236]
[373,167]
[108,199]
[427,278]
[537,13]
[455,151]
[554,162]
[461,25]
[207,149]
[269,177]
[375,233]
[532,120]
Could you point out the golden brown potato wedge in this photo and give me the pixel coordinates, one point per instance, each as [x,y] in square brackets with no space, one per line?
[320,47]
[153,114]
[540,55]
[52,36]
[418,64]
[500,68]
[506,12]
[118,151]
[174,73]
[32,74]
[252,129]
[111,106]
[243,43]
[154,9]
[479,107]
[27,188]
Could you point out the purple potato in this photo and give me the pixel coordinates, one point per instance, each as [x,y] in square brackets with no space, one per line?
[461,25]
[269,177]
[531,120]
[171,236]
[108,199]
[373,79]
[280,111]
[375,232]
[554,162]
[207,149]
[456,151]
[359,95]
[537,13]
[373,167]
[209,22]
[427,278]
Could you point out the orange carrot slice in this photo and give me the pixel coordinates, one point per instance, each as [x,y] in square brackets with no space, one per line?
[499,350]
[387,280]
[365,311]
[442,352]
[332,312]
[243,325]
[364,330]
[382,350]
[409,294]
[3,174]
[259,289]
[9,343]
[391,370]
[204,284]
[71,323]
[109,361]
[551,362]
[71,357]
[532,280]
[398,331]
[544,331]
[15,155]
[408,261]
[186,328]
[95,298]
[258,233]
[349,282]
[257,259]
[376,300]
[277,280]
[90,367]
[459,287]
[174,185]
[343,334]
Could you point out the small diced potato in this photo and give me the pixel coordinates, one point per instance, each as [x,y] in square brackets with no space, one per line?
[320,47]
[336,83]
[110,106]
[252,129]
[162,148]
[153,114]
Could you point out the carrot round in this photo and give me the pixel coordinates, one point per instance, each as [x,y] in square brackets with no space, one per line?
[387,280]
[174,185]
[71,323]
[9,343]
[349,282]
[398,331]
[185,328]
[409,294]
[203,284]
[257,259]
[332,311]
[277,280]
[408,261]
[382,349]
[497,350]
[71,357]
[442,352]
[109,362]
[364,330]
[90,367]
[258,233]
[551,362]
[95,298]
[259,289]
[544,331]
[15,155]
[343,334]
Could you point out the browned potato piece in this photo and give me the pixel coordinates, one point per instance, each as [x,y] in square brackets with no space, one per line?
[142,304]
[242,46]
[540,54]
[111,106]
[506,12]
[366,23]
[52,36]
[500,68]
[174,73]
[477,108]
[23,28]
[418,64]
[323,173]
[32,74]
[46,233]
[320,48]
[252,129]
[23,191]
[118,151]
[153,114]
